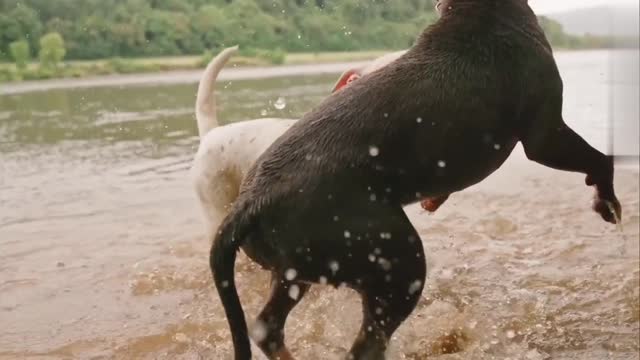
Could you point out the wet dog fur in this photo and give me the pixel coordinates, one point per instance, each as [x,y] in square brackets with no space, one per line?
[226,153]
[323,204]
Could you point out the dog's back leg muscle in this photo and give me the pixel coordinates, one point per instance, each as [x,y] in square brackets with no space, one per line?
[217,191]
[392,292]
[285,295]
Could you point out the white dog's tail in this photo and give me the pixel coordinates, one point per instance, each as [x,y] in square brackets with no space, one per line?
[206,100]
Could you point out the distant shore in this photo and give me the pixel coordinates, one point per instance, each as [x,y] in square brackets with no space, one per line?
[178,77]
[112,68]
[236,69]
[10,75]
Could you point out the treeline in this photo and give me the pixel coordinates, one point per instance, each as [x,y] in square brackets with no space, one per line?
[560,39]
[98,29]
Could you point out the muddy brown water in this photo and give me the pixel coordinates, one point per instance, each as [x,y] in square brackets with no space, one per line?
[102,253]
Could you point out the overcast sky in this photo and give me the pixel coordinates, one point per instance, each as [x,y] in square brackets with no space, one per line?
[548,6]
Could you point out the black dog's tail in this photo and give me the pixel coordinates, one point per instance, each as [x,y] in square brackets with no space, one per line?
[222,259]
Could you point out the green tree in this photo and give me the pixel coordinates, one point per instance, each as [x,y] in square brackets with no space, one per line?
[212,26]
[27,23]
[20,53]
[554,31]
[94,29]
[52,50]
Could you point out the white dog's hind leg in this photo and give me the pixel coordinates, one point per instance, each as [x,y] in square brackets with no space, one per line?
[217,192]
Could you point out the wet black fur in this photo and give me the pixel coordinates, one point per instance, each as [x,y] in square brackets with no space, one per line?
[326,198]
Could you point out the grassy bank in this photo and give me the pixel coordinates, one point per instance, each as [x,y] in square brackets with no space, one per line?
[78,69]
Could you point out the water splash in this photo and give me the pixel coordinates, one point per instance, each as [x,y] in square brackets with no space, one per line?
[290,274]
[619,227]
[294,292]
[280,103]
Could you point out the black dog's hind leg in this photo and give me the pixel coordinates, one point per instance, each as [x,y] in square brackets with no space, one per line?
[269,328]
[393,293]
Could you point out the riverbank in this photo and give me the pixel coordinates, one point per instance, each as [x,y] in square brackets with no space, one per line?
[80,69]
[230,73]
[83,69]
[237,69]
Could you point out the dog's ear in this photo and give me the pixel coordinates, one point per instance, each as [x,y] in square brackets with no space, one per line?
[346,78]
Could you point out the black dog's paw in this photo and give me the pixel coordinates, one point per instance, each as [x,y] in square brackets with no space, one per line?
[609,209]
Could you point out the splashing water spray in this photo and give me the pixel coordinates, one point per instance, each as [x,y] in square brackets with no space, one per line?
[619,227]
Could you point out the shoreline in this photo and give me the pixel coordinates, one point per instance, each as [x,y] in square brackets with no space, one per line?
[177,77]
[233,72]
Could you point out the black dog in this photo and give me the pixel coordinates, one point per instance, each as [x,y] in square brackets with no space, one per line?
[324,202]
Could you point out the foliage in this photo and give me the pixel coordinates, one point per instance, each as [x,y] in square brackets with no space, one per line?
[20,53]
[103,29]
[266,30]
[52,50]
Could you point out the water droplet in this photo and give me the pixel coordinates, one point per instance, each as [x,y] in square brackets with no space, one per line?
[442,164]
[280,103]
[385,264]
[379,311]
[182,338]
[294,292]
[290,274]
[323,280]
[225,284]
[336,218]
[415,286]
[374,151]
[299,36]
[259,331]
[386,115]
[334,266]
[263,112]
[372,258]
[496,146]
[372,197]
[347,234]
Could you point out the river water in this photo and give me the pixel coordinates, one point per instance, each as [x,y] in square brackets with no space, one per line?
[103,255]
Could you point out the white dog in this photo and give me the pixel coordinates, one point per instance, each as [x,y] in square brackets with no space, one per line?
[226,153]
